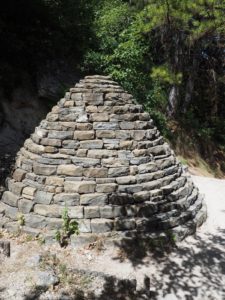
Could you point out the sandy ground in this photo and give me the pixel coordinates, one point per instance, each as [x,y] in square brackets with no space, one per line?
[195,270]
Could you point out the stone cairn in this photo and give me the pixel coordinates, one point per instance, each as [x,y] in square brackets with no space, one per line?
[98,153]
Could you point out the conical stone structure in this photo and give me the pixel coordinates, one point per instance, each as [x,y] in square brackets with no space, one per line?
[99,153]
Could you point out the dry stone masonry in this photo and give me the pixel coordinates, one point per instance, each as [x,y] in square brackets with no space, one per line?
[98,153]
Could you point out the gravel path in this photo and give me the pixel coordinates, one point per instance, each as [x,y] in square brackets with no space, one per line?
[195,270]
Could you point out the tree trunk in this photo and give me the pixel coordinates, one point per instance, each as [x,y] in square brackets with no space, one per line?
[172,101]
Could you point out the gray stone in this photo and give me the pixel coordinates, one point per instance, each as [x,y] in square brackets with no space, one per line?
[93,98]
[71,144]
[15,187]
[125,154]
[101,225]
[41,132]
[25,206]
[86,162]
[76,212]
[19,174]
[105,125]
[105,180]
[52,211]
[44,169]
[126,180]
[34,261]
[108,134]
[10,199]
[119,171]
[96,199]
[130,189]
[146,210]
[73,178]
[148,186]
[106,188]
[123,134]
[139,135]
[62,135]
[82,118]
[46,279]
[53,224]
[125,224]
[91,212]
[96,172]
[127,125]
[84,225]
[147,168]
[52,117]
[51,142]
[140,160]
[141,196]
[76,96]
[81,153]
[165,163]
[35,221]
[131,210]
[67,199]
[121,199]
[10,211]
[83,187]
[114,162]
[91,144]
[101,153]
[43,197]
[158,150]
[183,191]
[111,212]
[53,161]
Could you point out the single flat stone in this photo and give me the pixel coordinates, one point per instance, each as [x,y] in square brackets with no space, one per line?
[43,197]
[82,187]
[10,199]
[95,199]
[70,170]
[25,206]
[101,225]
[72,199]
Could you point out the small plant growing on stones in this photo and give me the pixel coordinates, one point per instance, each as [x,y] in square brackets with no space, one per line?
[69,227]
[41,240]
[21,219]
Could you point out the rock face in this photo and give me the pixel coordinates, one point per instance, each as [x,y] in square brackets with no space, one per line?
[99,153]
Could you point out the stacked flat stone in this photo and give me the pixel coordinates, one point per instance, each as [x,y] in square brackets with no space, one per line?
[99,153]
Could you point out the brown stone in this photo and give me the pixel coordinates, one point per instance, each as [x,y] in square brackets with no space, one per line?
[84,135]
[82,187]
[69,170]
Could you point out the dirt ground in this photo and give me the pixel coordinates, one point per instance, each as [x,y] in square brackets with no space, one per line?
[194,270]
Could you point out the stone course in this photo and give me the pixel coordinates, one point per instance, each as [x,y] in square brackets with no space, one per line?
[98,153]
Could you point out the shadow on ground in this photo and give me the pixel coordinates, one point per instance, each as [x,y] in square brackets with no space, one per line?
[194,270]
[113,289]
